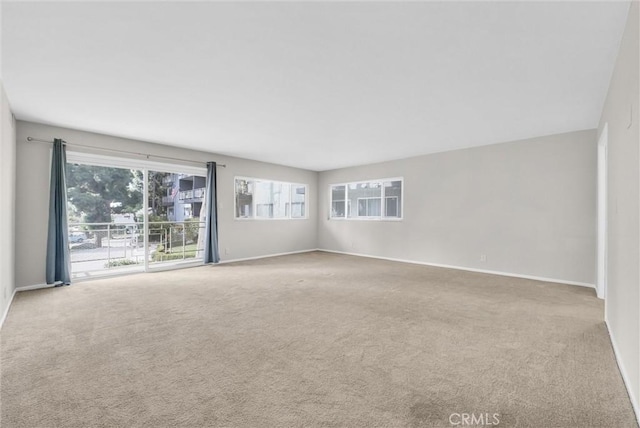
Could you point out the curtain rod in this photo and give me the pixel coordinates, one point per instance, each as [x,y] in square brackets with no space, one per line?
[38,140]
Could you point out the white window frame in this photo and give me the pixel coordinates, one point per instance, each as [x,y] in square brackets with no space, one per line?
[347,205]
[384,208]
[382,198]
[290,206]
[253,200]
[369,198]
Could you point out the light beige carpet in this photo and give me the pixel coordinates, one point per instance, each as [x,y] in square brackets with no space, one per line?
[309,340]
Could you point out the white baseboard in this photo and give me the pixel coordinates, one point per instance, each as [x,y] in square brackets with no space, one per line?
[157,269]
[33,287]
[6,311]
[268,255]
[173,266]
[492,272]
[623,373]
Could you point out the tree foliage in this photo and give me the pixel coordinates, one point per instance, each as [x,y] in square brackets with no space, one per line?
[96,192]
[157,190]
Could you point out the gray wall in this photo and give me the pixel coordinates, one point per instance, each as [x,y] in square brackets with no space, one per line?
[623,240]
[242,238]
[528,205]
[7,201]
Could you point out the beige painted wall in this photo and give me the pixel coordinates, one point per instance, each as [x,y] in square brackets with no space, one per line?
[623,279]
[7,201]
[241,238]
[528,205]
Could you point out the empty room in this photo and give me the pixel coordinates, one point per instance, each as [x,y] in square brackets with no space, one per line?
[320,214]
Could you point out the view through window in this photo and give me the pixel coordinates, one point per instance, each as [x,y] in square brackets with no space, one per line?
[176,216]
[104,205]
[106,218]
[266,199]
[367,200]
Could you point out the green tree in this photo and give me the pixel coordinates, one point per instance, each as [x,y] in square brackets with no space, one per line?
[96,191]
[158,188]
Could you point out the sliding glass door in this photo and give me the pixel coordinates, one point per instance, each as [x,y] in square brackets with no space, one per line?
[104,208]
[176,217]
[124,219]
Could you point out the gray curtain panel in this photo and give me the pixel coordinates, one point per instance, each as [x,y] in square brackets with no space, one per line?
[211,252]
[58,259]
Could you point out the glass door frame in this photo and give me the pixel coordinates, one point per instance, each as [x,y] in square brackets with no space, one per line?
[144,165]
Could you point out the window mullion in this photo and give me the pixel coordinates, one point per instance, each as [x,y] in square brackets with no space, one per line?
[254,198]
[383,201]
[145,207]
[346,201]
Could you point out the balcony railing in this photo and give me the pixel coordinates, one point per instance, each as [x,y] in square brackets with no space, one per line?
[102,247]
[175,240]
[192,194]
[186,194]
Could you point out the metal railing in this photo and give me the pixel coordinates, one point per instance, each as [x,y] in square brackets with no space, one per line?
[99,247]
[175,240]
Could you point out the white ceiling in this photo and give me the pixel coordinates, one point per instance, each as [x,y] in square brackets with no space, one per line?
[314,85]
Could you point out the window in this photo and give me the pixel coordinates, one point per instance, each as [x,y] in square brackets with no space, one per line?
[131,214]
[392,190]
[338,201]
[266,199]
[368,207]
[392,209]
[272,199]
[244,198]
[365,197]
[298,198]
[367,200]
